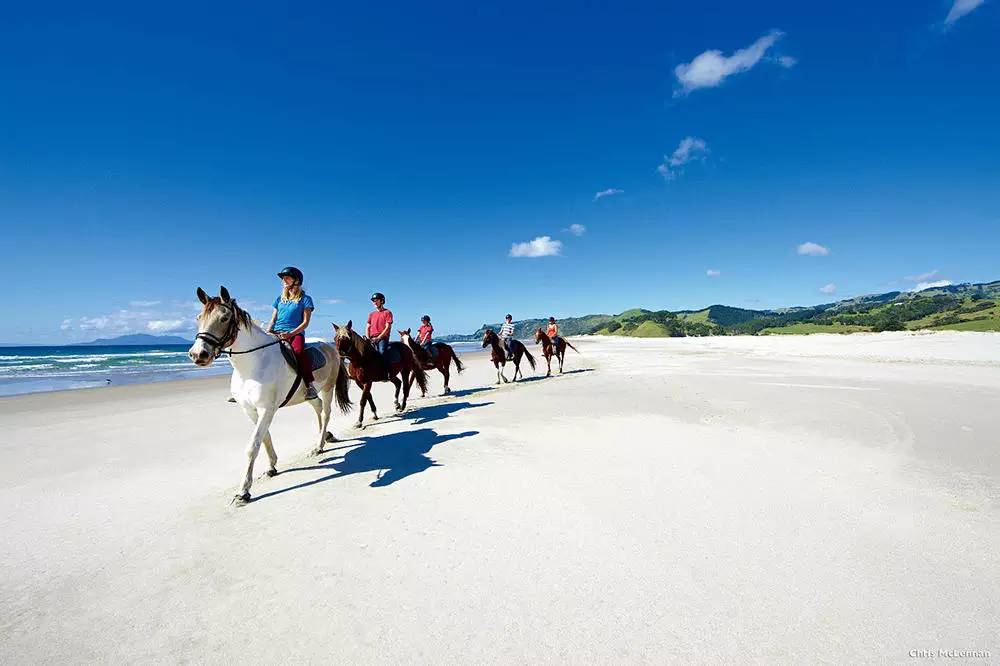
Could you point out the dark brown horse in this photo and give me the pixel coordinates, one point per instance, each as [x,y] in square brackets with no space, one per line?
[499,356]
[367,366]
[441,360]
[549,350]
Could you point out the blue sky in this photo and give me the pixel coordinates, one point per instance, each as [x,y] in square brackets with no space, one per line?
[419,148]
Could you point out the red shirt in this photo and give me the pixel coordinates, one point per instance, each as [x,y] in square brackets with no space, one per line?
[424,333]
[377,321]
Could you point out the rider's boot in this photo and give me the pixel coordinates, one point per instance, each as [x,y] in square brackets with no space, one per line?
[311,392]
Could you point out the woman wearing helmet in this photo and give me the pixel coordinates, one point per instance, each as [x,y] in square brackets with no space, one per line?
[379,323]
[553,332]
[292,312]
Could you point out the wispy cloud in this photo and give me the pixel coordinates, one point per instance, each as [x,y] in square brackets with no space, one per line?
[690,149]
[830,288]
[713,272]
[711,68]
[610,192]
[923,277]
[576,229]
[143,304]
[167,325]
[959,9]
[331,301]
[543,246]
[930,285]
[811,249]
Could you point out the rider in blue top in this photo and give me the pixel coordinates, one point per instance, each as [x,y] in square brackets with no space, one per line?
[292,312]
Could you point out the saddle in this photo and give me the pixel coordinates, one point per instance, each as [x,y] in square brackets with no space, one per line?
[315,355]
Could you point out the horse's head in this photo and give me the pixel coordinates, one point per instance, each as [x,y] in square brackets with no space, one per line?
[405,337]
[488,337]
[343,338]
[539,335]
[218,325]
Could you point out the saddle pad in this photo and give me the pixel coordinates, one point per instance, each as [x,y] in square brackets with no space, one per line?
[394,354]
[312,348]
[315,355]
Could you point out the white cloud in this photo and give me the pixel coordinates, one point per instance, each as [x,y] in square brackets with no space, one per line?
[710,69]
[812,249]
[543,246]
[690,148]
[94,323]
[577,229]
[610,192]
[66,325]
[166,325]
[143,304]
[828,288]
[787,61]
[713,273]
[930,285]
[923,277]
[331,301]
[960,9]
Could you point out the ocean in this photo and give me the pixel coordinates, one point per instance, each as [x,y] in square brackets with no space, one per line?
[40,369]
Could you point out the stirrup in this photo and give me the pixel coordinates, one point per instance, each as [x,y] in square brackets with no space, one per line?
[311,393]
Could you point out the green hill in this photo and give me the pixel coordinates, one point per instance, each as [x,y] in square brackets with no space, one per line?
[961,307]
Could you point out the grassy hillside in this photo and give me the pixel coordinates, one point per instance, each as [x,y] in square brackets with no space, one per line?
[963,307]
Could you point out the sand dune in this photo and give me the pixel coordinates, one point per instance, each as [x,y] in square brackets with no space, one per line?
[792,499]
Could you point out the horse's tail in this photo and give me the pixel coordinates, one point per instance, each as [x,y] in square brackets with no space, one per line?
[458,363]
[531,359]
[570,345]
[419,374]
[340,390]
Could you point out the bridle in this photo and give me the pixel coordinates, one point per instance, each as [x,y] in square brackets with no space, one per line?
[228,338]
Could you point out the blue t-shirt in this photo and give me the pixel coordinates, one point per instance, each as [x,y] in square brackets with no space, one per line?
[290,313]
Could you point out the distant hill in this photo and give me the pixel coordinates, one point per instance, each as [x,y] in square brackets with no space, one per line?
[960,307]
[135,339]
[526,327]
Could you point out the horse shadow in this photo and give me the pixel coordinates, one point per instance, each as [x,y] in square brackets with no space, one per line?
[463,393]
[394,456]
[424,415]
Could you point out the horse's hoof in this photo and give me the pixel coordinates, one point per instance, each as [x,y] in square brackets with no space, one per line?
[358,425]
[329,438]
[241,500]
[271,472]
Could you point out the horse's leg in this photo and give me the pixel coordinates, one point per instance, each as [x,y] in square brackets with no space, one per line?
[251,412]
[365,395]
[322,418]
[271,455]
[562,357]
[371,401]
[264,417]
[446,371]
[404,384]
[548,364]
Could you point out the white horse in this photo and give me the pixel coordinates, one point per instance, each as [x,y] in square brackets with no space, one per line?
[262,378]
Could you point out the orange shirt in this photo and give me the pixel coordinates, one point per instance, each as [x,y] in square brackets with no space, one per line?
[553,331]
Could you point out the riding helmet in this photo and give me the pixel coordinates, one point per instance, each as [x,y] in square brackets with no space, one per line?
[378,294]
[425,318]
[292,272]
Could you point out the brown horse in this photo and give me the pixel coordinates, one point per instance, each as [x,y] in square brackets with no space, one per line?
[442,360]
[499,356]
[367,366]
[549,350]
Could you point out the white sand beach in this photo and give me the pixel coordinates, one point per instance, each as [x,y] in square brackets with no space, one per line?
[740,499]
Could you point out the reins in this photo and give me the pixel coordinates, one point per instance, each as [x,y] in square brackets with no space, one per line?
[229,338]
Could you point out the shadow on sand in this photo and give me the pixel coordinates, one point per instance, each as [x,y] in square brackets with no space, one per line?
[394,457]
[424,415]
